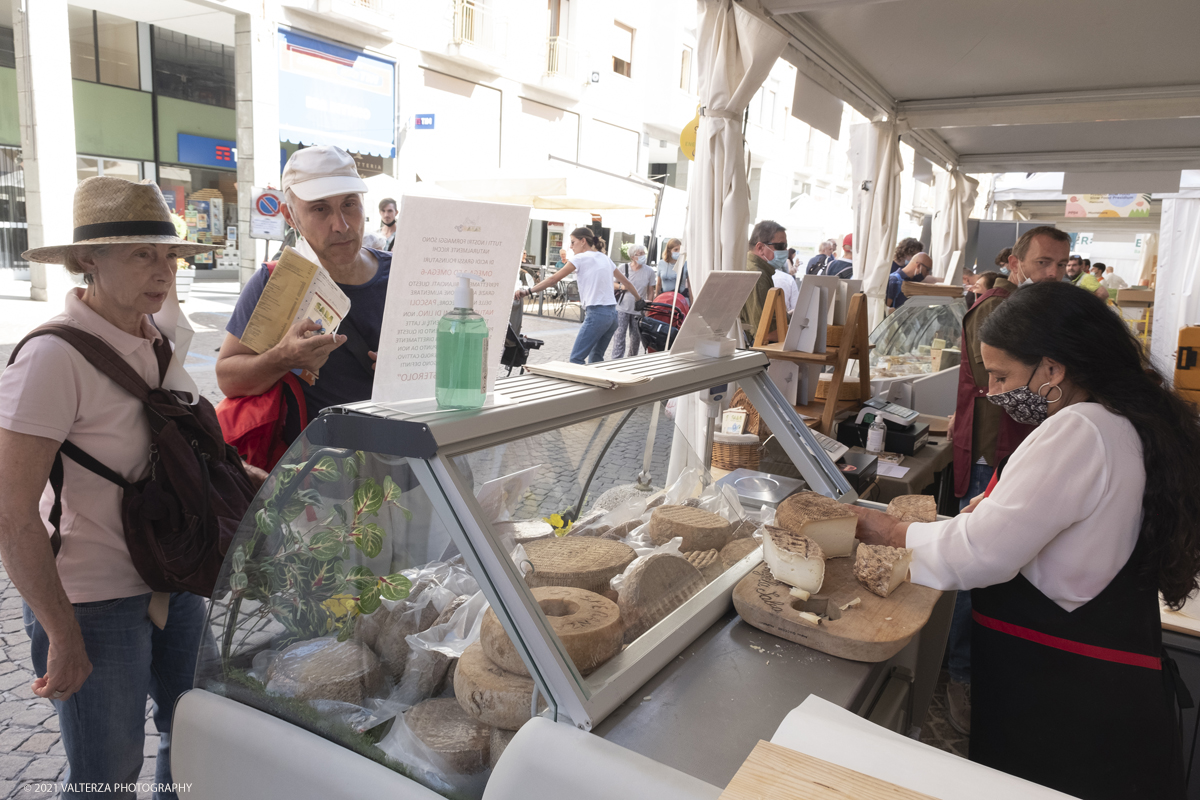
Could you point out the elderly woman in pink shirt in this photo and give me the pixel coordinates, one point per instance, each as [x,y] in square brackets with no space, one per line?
[100,641]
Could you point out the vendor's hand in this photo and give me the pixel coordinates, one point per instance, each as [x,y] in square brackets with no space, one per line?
[305,348]
[876,527]
[67,667]
[950,429]
[971,506]
[374,356]
[257,476]
[639,304]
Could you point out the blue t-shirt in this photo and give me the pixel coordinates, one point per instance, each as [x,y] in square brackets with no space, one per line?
[840,268]
[894,292]
[347,376]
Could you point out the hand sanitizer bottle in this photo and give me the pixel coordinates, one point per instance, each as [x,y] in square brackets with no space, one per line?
[876,436]
[462,345]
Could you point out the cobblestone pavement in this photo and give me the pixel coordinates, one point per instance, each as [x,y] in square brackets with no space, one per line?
[30,750]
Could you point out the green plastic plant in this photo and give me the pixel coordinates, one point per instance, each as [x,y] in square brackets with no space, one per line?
[296,576]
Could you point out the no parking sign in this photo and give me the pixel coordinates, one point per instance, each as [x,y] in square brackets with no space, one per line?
[266,219]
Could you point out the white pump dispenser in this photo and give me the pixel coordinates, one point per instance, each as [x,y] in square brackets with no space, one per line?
[464,295]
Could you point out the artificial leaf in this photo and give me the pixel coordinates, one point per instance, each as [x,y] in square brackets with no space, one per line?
[369,601]
[326,545]
[238,581]
[368,538]
[394,587]
[326,470]
[239,559]
[361,578]
[367,498]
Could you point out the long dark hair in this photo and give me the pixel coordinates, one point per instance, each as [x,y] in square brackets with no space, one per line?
[1101,356]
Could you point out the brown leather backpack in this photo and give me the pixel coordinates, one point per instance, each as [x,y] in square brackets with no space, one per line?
[180,520]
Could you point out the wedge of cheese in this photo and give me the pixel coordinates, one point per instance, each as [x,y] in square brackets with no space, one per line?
[827,522]
[794,559]
[881,568]
[913,508]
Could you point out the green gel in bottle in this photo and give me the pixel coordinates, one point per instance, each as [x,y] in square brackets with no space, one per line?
[462,345]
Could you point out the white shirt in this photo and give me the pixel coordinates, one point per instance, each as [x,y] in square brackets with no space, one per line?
[594,271]
[1066,514]
[1114,282]
[791,290]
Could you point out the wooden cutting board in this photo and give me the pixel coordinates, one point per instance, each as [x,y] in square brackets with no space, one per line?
[777,773]
[875,630]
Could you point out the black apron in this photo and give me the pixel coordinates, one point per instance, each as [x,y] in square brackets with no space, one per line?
[1082,701]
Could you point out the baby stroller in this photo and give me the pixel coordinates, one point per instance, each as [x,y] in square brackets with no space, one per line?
[660,323]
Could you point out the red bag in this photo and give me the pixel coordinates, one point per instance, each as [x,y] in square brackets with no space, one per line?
[254,425]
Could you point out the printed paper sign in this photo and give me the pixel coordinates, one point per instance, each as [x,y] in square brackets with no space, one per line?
[437,239]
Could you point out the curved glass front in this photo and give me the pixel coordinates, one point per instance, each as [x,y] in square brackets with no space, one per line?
[906,342]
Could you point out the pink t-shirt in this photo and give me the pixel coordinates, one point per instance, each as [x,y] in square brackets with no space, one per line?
[53,392]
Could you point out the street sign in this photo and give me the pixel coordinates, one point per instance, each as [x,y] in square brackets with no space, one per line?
[266,221]
[424,122]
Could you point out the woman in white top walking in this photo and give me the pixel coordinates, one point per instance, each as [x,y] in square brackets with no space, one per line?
[1067,551]
[596,274]
[628,312]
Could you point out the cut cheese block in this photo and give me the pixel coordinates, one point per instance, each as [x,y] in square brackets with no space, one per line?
[326,669]
[578,561]
[914,508]
[500,740]
[736,550]
[794,559]
[489,694]
[708,562]
[827,522]
[881,568]
[442,726]
[588,625]
[700,530]
[655,588]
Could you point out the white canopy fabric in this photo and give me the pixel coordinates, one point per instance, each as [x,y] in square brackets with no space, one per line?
[1177,291]
[876,167]
[735,51]
[955,199]
[583,190]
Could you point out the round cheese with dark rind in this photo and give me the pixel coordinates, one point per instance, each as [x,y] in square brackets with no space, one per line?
[326,669]
[445,728]
[653,589]
[708,562]
[588,625]
[490,694]
[736,550]
[699,529]
[579,561]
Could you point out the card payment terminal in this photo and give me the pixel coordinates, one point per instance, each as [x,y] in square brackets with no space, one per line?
[894,415]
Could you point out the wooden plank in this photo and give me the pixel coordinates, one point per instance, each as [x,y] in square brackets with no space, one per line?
[920,288]
[773,772]
[774,314]
[875,630]
[775,350]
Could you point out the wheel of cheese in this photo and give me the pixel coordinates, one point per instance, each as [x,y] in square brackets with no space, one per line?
[588,625]
[913,508]
[655,588]
[708,562]
[442,726]
[699,529]
[500,740]
[736,550]
[525,530]
[326,669]
[405,619]
[578,561]
[489,694]
[369,627]
[826,521]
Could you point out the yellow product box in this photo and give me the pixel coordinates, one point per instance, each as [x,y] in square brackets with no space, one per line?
[1187,359]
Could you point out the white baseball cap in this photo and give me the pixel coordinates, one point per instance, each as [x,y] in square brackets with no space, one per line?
[323,171]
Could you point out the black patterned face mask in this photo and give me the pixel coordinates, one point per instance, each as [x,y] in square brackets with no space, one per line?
[1023,404]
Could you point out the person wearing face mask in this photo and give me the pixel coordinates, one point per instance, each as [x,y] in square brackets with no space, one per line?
[672,276]
[1090,519]
[768,255]
[642,277]
[982,434]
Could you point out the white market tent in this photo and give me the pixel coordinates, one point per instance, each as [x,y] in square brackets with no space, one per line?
[1105,91]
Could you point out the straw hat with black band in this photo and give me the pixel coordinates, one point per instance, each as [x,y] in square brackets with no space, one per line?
[116,211]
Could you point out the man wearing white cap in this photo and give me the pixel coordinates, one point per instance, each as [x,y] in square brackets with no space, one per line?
[323,201]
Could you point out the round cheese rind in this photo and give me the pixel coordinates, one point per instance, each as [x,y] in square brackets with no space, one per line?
[913,508]
[736,550]
[588,625]
[655,588]
[445,728]
[391,645]
[804,507]
[326,669]
[699,529]
[500,740]
[708,562]
[579,561]
[489,694]
[369,626]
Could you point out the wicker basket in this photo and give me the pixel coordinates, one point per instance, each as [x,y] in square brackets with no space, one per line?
[739,456]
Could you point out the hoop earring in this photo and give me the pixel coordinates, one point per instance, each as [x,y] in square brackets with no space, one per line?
[1047,395]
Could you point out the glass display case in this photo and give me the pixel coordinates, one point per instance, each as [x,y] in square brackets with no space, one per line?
[415,588]
[903,344]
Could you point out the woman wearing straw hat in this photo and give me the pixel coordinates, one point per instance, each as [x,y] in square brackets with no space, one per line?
[100,641]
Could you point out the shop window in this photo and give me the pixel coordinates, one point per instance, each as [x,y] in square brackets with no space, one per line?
[685,70]
[8,55]
[622,49]
[13,226]
[91,167]
[207,201]
[188,68]
[104,48]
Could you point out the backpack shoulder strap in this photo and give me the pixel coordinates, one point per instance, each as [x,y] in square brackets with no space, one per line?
[56,483]
[98,354]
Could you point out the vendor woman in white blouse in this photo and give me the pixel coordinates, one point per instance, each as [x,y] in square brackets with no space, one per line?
[1094,514]
[596,275]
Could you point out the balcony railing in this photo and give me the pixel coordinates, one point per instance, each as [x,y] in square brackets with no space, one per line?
[562,58]
[477,25]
